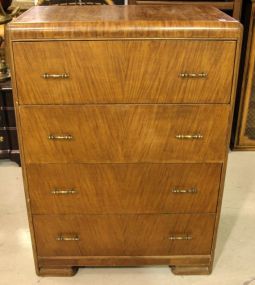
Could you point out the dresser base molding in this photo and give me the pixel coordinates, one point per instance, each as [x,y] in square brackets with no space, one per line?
[57,271]
[68,266]
[191,270]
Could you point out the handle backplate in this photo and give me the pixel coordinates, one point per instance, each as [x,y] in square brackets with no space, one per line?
[63,237]
[184,191]
[60,137]
[180,237]
[187,75]
[70,191]
[189,137]
[55,76]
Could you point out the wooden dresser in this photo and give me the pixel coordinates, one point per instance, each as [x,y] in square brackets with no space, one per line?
[124,117]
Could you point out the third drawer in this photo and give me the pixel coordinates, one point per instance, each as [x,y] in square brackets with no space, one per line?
[123,188]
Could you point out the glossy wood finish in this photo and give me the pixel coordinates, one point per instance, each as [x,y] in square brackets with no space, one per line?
[112,142]
[123,188]
[124,71]
[173,21]
[123,235]
[124,133]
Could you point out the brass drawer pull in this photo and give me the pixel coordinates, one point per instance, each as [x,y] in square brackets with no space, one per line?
[60,137]
[193,75]
[68,238]
[184,191]
[189,137]
[180,237]
[1,139]
[56,76]
[63,192]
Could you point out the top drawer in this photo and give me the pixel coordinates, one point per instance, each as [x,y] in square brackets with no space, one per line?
[126,71]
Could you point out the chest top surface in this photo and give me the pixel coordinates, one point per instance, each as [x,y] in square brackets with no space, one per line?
[65,22]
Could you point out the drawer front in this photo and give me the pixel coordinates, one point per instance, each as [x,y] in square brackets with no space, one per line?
[124,133]
[123,188]
[126,71]
[123,235]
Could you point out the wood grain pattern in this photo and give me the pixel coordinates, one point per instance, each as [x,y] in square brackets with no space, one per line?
[131,235]
[123,188]
[178,21]
[124,71]
[124,133]
[120,134]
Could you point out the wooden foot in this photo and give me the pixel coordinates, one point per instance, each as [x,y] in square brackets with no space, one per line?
[191,270]
[57,271]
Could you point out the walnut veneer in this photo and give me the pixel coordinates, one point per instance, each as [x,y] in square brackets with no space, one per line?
[124,117]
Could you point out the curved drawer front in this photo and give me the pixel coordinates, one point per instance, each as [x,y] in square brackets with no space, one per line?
[123,188]
[126,71]
[124,133]
[123,235]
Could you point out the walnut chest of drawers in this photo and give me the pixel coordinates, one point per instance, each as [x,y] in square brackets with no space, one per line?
[124,117]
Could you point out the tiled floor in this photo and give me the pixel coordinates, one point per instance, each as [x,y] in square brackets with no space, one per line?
[235,252]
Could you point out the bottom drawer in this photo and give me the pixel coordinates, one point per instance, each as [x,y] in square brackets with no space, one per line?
[123,235]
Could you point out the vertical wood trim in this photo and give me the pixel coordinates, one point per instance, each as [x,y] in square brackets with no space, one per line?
[237,9]
[224,167]
[22,158]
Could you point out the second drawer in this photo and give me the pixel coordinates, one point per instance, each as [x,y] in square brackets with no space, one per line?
[123,188]
[125,133]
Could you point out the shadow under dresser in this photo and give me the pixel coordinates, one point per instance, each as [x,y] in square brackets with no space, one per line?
[124,117]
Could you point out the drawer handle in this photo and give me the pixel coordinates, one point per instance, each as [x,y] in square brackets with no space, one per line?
[60,137]
[56,76]
[180,237]
[68,238]
[1,139]
[63,192]
[184,191]
[193,75]
[189,137]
